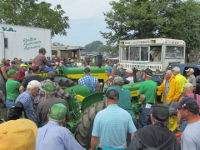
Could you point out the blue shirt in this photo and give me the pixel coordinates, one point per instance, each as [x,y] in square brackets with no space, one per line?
[54,137]
[26,99]
[111,125]
[90,82]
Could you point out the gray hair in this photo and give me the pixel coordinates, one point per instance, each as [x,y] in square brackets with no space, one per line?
[169,72]
[176,69]
[33,84]
[188,86]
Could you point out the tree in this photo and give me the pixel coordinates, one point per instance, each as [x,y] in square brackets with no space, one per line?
[98,46]
[136,19]
[94,46]
[32,13]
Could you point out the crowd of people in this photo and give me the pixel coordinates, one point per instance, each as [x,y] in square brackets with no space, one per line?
[42,102]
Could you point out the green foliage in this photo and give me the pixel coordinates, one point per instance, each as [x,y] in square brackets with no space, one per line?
[32,13]
[98,46]
[136,19]
[94,46]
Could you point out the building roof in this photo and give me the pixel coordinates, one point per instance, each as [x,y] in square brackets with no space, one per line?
[73,49]
[67,48]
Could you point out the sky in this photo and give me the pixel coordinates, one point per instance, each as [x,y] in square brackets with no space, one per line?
[86,19]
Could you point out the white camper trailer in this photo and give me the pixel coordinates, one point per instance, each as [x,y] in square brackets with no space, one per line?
[23,42]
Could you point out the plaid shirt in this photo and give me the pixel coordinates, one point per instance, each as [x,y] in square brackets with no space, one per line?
[90,82]
[59,92]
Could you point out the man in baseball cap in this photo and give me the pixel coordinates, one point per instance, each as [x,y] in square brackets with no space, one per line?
[188,109]
[21,74]
[124,95]
[190,76]
[161,137]
[12,88]
[54,135]
[147,94]
[40,60]
[179,78]
[129,74]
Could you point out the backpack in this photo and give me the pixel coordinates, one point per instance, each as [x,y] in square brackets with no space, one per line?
[15,112]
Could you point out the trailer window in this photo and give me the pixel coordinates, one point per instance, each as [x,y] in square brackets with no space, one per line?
[135,53]
[155,53]
[144,53]
[125,53]
[173,52]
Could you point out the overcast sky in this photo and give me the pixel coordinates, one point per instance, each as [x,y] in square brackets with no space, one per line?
[86,19]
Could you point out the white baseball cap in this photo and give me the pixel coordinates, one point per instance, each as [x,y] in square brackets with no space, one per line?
[176,69]
[190,70]
[129,70]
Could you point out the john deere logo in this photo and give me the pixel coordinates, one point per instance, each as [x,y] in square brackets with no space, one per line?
[8,29]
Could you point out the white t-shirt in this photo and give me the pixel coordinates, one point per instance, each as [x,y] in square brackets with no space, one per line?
[130,79]
[190,139]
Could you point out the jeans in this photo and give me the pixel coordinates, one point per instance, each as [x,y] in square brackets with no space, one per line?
[144,116]
[9,103]
[47,69]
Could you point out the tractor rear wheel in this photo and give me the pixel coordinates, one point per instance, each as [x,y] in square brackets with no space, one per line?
[84,128]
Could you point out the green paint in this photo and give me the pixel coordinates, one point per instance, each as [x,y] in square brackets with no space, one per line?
[8,29]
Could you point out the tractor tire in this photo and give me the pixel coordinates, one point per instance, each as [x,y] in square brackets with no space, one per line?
[84,128]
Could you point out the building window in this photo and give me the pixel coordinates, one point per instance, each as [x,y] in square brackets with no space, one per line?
[54,52]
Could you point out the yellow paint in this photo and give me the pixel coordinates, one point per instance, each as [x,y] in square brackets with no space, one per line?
[134,93]
[172,123]
[79,97]
[98,75]
[78,76]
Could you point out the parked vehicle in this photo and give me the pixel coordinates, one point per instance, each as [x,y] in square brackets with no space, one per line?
[155,54]
[23,42]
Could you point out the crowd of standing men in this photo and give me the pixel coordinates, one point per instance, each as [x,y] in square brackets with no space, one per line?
[42,101]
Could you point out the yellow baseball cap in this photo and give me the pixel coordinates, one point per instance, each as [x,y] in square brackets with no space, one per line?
[18,135]
[23,65]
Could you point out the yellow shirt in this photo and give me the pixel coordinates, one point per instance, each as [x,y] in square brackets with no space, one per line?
[182,81]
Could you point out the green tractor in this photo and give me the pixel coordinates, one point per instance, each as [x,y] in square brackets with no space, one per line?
[84,107]
[77,73]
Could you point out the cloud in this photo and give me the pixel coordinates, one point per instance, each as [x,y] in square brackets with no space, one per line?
[86,19]
[82,9]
